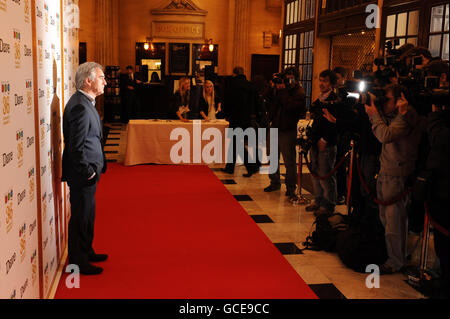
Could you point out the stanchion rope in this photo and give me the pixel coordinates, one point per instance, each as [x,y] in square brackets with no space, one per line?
[438,227]
[327,176]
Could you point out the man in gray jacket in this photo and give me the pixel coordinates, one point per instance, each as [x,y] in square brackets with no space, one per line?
[398,128]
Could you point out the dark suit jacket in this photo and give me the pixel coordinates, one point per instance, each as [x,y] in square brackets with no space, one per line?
[194,103]
[240,102]
[83,133]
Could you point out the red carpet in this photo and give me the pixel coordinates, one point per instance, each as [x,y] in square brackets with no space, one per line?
[175,232]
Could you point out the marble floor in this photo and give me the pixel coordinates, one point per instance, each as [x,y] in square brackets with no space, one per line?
[287,226]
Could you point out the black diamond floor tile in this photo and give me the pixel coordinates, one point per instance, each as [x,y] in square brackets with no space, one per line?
[288,248]
[261,219]
[228,181]
[327,291]
[243,198]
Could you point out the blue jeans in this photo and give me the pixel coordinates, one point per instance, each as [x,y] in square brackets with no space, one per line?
[394,218]
[325,191]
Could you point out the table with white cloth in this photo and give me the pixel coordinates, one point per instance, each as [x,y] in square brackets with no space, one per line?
[149,141]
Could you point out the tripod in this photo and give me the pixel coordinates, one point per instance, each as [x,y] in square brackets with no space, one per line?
[300,199]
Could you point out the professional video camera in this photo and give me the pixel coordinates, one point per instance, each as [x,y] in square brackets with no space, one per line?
[280,78]
[303,139]
[419,87]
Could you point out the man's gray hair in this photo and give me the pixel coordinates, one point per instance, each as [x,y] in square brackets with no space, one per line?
[84,71]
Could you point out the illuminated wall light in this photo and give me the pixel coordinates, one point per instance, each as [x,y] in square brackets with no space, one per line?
[146,46]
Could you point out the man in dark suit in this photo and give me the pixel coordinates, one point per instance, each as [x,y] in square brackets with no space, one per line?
[240,110]
[83,162]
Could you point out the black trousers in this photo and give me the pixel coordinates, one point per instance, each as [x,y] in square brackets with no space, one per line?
[251,167]
[287,148]
[81,223]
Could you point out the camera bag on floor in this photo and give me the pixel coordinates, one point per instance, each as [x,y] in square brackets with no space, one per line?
[325,235]
[362,244]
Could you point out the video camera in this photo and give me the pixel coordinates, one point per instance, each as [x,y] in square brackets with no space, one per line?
[304,140]
[282,78]
[419,87]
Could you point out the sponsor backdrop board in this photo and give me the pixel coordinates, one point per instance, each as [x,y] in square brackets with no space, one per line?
[48,30]
[70,64]
[22,191]
[19,273]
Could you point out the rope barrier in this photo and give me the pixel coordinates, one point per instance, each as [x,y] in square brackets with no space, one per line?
[376,200]
[330,173]
[435,225]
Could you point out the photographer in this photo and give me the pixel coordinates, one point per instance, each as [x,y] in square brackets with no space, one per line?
[286,106]
[397,126]
[323,151]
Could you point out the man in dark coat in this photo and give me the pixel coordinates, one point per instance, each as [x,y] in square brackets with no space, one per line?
[287,104]
[240,110]
[83,162]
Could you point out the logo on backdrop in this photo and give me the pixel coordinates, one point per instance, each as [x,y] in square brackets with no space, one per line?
[26,9]
[27,52]
[45,242]
[49,154]
[44,207]
[38,12]
[17,52]
[32,229]
[7,158]
[6,106]
[46,16]
[23,242]
[42,125]
[29,98]
[23,289]
[40,53]
[46,277]
[48,91]
[58,25]
[19,139]
[3,6]
[20,197]
[4,47]
[34,269]
[72,16]
[50,224]
[10,263]
[9,210]
[53,49]
[47,54]
[31,180]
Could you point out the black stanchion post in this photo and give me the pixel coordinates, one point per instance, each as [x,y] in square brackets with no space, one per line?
[300,199]
[424,249]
